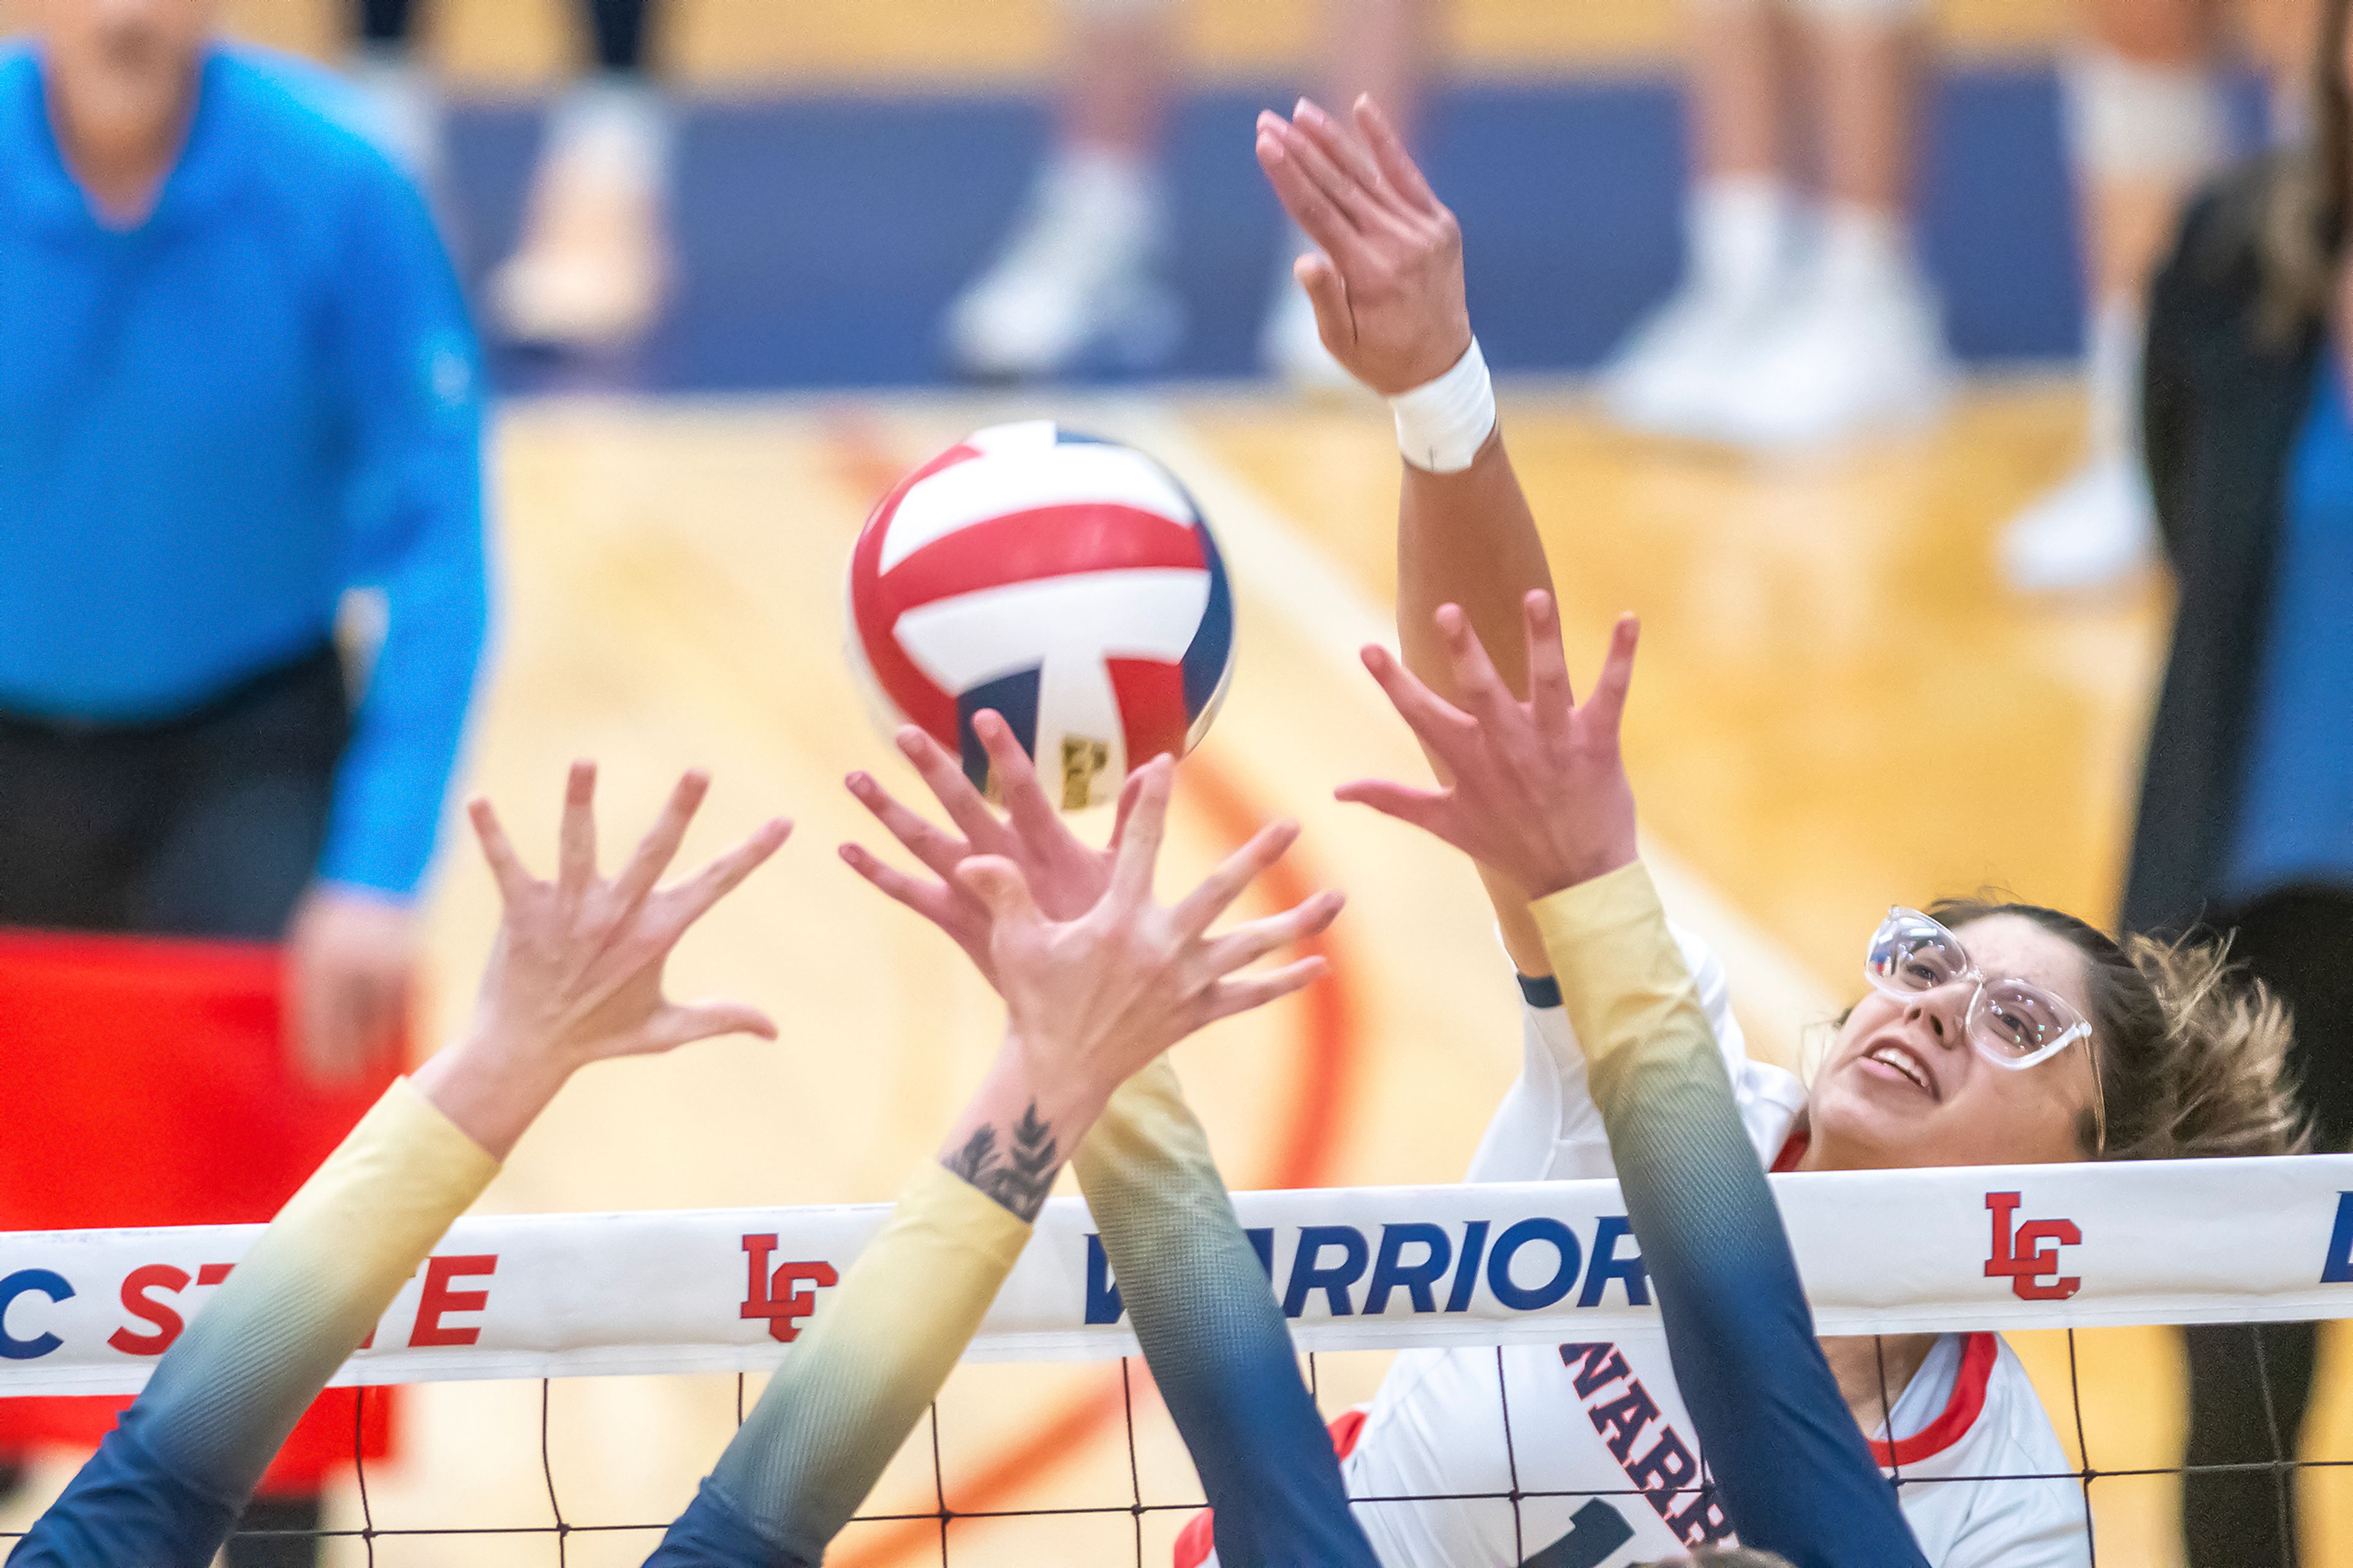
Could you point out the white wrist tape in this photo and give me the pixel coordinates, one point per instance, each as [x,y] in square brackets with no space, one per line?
[1441,423]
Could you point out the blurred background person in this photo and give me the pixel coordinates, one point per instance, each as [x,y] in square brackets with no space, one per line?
[2147,121]
[1082,278]
[2246,805]
[1804,316]
[237,379]
[593,267]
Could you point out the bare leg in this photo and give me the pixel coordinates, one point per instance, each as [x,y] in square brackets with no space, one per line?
[1738,59]
[1381,47]
[2146,123]
[1865,75]
[1120,66]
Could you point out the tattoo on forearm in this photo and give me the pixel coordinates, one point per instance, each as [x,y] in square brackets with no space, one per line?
[1019,1177]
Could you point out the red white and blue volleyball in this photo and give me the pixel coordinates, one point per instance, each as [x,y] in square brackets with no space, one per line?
[1067,583]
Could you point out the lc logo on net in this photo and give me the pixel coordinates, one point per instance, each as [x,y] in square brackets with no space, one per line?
[2028,1255]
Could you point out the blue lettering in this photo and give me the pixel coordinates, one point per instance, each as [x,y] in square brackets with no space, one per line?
[1466,1273]
[1390,1270]
[1530,1299]
[1308,1274]
[2337,1268]
[25,1280]
[1262,1243]
[1104,1305]
[1607,1265]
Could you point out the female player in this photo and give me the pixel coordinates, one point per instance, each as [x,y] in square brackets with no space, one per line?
[1795,1472]
[2133,1052]
[576,977]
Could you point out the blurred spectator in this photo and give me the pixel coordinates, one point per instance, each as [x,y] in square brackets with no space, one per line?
[236,379]
[2246,807]
[1803,317]
[593,266]
[1081,279]
[2146,121]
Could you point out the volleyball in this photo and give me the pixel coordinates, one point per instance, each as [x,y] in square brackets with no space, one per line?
[1067,583]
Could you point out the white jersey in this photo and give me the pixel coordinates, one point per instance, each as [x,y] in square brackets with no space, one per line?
[1604,1424]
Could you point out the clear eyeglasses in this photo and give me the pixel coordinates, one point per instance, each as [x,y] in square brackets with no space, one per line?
[2010,1023]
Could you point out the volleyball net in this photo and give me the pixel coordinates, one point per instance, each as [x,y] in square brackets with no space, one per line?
[710,1300]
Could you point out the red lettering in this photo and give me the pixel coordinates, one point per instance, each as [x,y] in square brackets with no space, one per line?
[1622,1420]
[213,1273]
[436,1299]
[2024,1259]
[776,1295]
[139,1304]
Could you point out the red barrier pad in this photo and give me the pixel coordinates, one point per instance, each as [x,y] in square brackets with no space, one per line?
[148,1082]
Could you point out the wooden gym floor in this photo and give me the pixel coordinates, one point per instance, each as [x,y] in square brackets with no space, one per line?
[1836,707]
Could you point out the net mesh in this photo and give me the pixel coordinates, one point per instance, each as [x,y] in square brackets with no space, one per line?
[1108,1484]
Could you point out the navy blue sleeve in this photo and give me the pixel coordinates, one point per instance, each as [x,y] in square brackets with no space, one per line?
[126,1508]
[1216,1344]
[710,1534]
[407,358]
[1789,1463]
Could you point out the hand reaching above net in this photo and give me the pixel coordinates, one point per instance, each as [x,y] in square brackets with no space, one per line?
[1385,280]
[1539,792]
[1098,978]
[575,975]
[1065,874]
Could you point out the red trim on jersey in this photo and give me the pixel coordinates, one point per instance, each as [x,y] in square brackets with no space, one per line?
[1793,1148]
[1026,546]
[1979,1355]
[1198,1538]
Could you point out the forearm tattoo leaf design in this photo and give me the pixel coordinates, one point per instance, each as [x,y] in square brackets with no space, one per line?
[1017,1178]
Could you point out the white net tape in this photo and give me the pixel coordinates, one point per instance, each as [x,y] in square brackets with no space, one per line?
[1358,1268]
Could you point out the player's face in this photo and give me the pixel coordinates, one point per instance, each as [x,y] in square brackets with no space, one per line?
[1903,1085]
[122,69]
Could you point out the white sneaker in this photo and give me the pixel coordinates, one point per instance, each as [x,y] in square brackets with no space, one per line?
[1663,380]
[1290,347]
[1080,278]
[593,267]
[1836,361]
[2096,530]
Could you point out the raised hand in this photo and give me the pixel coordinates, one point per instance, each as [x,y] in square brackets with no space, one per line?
[1093,999]
[1386,279]
[575,975]
[1540,791]
[1065,874]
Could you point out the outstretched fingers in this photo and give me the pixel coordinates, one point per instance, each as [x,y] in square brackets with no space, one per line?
[576,843]
[1388,150]
[682,1024]
[693,898]
[1243,992]
[926,840]
[954,791]
[1202,906]
[1440,726]
[1551,697]
[660,847]
[1482,690]
[1139,844]
[933,901]
[506,867]
[1607,707]
[1367,196]
[1254,940]
[1033,816]
[1282,154]
[1430,810]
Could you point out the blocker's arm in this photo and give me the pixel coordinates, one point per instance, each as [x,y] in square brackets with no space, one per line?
[1794,1472]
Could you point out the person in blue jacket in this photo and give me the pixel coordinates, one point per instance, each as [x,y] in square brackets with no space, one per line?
[238,381]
